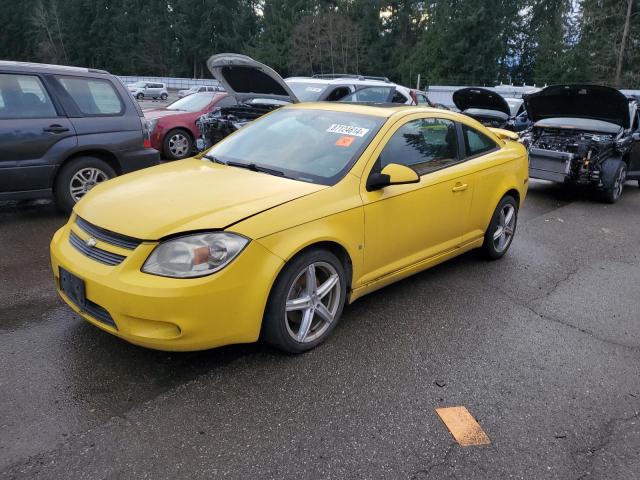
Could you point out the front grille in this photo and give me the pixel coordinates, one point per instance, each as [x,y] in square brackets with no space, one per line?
[95,253]
[99,313]
[107,236]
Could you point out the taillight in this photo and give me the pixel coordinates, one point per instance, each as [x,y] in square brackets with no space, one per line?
[146,138]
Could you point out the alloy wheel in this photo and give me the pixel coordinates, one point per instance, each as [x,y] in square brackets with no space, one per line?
[618,185]
[312,302]
[84,180]
[178,145]
[504,230]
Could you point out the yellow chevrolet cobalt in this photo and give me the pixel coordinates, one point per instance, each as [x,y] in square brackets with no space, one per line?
[276,228]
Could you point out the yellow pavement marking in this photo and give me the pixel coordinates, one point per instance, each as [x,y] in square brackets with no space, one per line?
[463,426]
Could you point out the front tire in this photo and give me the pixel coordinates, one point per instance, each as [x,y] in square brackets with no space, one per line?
[77,177]
[614,192]
[177,145]
[305,303]
[163,97]
[502,228]
[140,96]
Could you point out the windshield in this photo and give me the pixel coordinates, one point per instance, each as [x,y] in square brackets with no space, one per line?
[310,145]
[192,103]
[307,92]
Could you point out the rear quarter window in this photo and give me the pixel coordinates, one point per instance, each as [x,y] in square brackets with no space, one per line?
[476,143]
[93,96]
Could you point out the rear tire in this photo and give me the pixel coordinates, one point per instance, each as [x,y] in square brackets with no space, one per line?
[614,192]
[305,303]
[164,96]
[77,177]
[502,228]
[177,145]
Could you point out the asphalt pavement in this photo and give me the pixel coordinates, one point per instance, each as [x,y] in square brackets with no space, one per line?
[542,347]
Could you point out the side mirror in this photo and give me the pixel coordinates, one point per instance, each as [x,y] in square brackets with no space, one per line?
[392,174]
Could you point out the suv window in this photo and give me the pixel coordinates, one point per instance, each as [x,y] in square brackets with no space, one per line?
[476,142]
[24,96]
[93,96]
[338,93]
[426,144]
[398,98]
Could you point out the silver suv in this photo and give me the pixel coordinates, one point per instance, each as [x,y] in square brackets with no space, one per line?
[142,90]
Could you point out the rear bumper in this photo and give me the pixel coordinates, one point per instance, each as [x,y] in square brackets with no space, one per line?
[139,159]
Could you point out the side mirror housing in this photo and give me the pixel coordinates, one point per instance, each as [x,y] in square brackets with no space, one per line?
[392,174]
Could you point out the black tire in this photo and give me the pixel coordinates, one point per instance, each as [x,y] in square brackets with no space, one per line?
[164,96]
[66,179]
[140,96]
[277,323]
[614,192]
[183,150]
[490,248]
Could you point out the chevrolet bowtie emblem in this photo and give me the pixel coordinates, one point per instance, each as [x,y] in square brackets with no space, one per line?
[90,242]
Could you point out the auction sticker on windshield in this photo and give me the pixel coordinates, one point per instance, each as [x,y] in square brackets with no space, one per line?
[347,130]
[345,141]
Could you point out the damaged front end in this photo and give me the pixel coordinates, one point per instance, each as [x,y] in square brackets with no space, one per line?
[223,121]
[571,155]
[254,89]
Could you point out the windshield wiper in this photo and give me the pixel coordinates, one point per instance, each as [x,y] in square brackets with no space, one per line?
[256,168]
[249,166]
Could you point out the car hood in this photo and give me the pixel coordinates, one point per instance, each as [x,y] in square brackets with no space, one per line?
[163,112]
[480,98]
[245,77]
[595,102]
[183,196]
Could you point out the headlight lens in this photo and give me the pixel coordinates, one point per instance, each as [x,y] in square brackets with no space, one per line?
[194,255]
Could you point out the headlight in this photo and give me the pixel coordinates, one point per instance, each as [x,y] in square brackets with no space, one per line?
[194,255]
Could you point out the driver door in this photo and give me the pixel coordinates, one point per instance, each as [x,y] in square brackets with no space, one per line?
[406,225]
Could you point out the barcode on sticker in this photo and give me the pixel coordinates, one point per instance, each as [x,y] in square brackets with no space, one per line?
[347,130]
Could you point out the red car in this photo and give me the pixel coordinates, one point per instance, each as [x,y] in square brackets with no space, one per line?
[173,128]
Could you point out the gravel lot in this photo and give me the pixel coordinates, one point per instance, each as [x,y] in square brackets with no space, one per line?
[542,347]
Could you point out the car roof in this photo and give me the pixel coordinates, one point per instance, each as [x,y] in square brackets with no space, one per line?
[44,67]
[377,110]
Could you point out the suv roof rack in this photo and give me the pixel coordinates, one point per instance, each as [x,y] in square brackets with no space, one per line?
[330,76]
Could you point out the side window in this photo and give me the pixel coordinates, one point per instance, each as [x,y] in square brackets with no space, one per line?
[475,142]
[338,93]
[422,99]
[24,96]
[93,96]
[425,145]
[398,98]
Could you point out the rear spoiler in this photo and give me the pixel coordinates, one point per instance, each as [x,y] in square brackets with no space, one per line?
[503,134]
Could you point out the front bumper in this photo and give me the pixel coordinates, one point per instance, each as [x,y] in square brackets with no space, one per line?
[167,313]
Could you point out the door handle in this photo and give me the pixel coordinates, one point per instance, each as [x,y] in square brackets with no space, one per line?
[55,129]
[460,187]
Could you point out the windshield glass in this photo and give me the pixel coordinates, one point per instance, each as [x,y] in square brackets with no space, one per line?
[192,103]
[310,145]
[307,92]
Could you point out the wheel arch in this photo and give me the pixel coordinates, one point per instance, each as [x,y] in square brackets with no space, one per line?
[103,155]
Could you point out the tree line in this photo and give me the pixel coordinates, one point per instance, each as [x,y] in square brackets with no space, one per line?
[455,42]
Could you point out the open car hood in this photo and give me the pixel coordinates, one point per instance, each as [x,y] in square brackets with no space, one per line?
[244,77]
[594,102]
[480,98]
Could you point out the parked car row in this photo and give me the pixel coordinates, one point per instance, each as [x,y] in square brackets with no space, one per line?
[198,89]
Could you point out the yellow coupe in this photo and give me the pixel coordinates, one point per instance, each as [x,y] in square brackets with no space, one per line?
[272,231]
